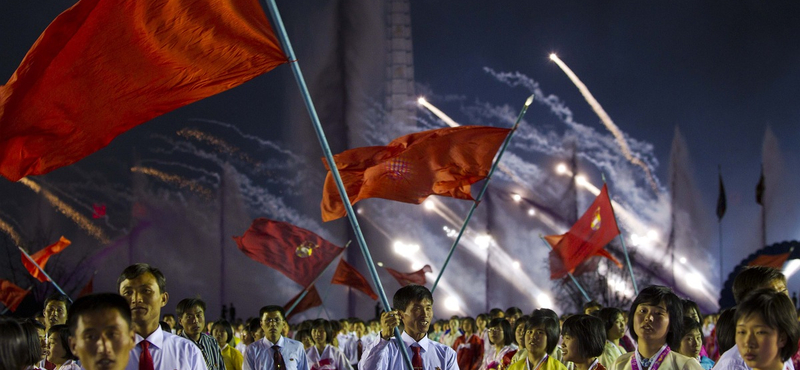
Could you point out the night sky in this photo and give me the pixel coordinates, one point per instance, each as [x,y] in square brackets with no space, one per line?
[722,73]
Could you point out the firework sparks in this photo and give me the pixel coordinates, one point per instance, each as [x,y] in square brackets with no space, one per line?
[13,234]
[174,179]
[221,145]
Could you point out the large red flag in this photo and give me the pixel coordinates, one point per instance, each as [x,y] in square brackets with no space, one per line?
[102,67]
[596,228]
[41,257]
[412,167]
[770,260]
[298,253]
[11,295]
[347,275]
[310,300]
[416,277]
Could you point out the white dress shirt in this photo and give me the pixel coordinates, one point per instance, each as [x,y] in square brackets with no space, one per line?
[331,358]
[169,352]
[385,355]
[259,355]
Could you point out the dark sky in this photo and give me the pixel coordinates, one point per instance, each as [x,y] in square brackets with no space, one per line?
[722,72]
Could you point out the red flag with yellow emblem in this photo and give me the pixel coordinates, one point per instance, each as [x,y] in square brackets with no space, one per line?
[596,228]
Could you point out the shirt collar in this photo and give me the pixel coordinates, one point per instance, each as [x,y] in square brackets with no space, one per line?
[281,342]
[423,343]
[155,338]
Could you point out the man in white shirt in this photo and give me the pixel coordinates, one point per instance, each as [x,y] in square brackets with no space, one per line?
[413,307]
[101,333]
[274,351]
[144,287]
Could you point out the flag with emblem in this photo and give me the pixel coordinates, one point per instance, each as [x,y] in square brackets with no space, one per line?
[297,253]
[443,162]
[41,257]
[587,237]
[416,277]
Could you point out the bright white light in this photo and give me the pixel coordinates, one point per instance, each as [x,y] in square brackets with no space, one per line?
[417,266]
[620,286]
[683,260]
[652,235]
[359,211]
[553,56]
[483,241]
[531,212]
[561,168]
[635,240]
[451,303]
[421,100]
[581,180]
[790,268]
[694,280]
[515,264]
[380,264]
[544,300]
[516,197]
[405,249]
[429,204]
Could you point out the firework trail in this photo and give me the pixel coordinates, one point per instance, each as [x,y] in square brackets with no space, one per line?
[449,121]
[261,142]
[68,211]
[220,144]
[174,179]
[606,120]
[8,229]
[186,166]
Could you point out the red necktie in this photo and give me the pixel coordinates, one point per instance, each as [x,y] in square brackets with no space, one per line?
[145,359]
[416,360]
[360,350]
[277,358]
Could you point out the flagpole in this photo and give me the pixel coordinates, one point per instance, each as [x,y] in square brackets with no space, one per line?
[44,273]
[577,284]
[323,141]
[622,241]
[483,190]
[307,288]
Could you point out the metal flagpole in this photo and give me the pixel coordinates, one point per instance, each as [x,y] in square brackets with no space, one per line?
[577,284]
[483,190]
[323,141]
[44,273]
[622,241]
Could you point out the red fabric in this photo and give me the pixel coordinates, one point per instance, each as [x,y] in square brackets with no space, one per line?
[412,167]
[347,275]
[145,358]
[99,210]
[298,253]
[416,277]
[469,352]
[311,299]
[41,257]
[596,228]
[770,260]
[416,358]
[88,288]
[11,295]
[102,67]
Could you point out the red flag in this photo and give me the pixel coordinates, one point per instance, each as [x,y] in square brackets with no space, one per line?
[347,275]
[311,299]
[99,210]
[770,260]
[416,277]
[297,253]
[412,167]
[102,67]
[41,257]
[88,288]
[11,295]
[596,228]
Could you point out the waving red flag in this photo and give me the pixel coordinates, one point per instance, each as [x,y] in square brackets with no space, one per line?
[416,277]
[770,260]
[102,67]
[11,295]
[298,253]
[310,300]
[596,228]
[347,275]
[88,288]
[41,257]
[412,167]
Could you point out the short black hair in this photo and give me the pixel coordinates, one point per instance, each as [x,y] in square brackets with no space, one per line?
[225,326]
[513,310]
[57,297]
[326,326]
[609,316]
[545,312]
[726,330]
[521,321]
[188,303]
[777,311]
[505,326]
[690,324]
[653,295]
[93,303]
[494,312]
[689,306]
[410,293]
[271,308]
[139,269]
[253,325]
[31,329]
[588,331]
[551,328]
[14,349]
[482,316]
[752,278]
[302,334]
[592,304]
[467,319]
[62,331]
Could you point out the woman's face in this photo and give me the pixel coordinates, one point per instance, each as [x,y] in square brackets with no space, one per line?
[56,351]
[308,342]
[691,344]
[519,334]
[496,335]
[481,323]
[319,336]
[536,341]
[693,314]
[759,344]
[618,329]
[651,322]
[569,349]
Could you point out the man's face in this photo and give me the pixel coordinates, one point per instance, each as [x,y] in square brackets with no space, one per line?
[145,298]
[417,317]
[169,319]
[360,329]
[193,320]
[102,340]
[272,323]
[55,313]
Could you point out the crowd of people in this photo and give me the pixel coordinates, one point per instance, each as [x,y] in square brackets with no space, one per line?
[659,331]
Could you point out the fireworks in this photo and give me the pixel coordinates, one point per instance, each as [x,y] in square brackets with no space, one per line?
[8,229]
[174,179]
